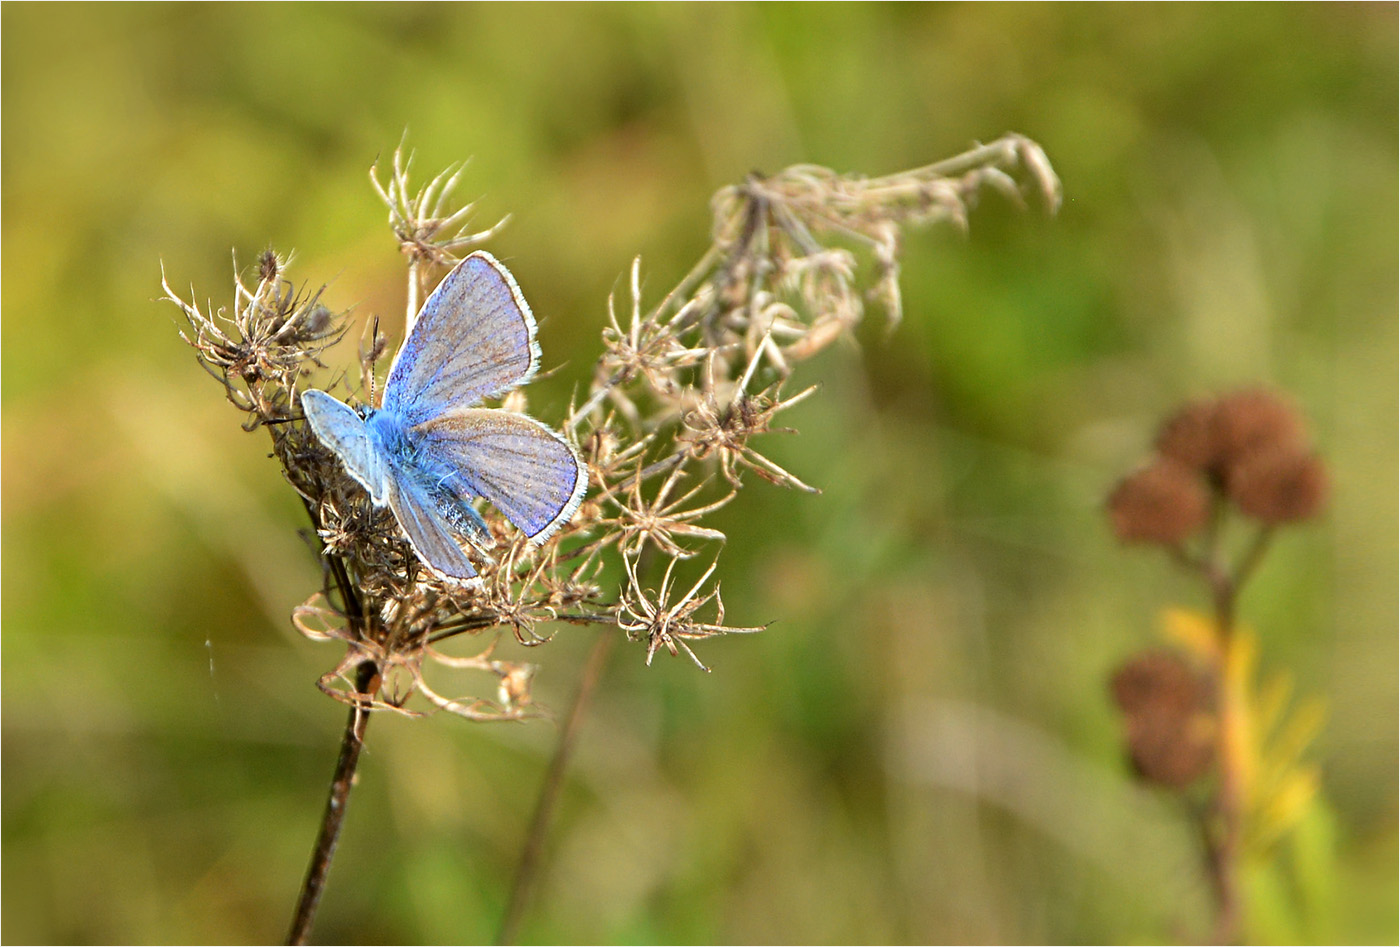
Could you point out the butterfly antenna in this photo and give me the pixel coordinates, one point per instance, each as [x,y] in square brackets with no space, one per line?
[370,356]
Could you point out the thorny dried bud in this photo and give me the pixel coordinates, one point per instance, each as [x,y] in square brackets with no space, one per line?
[661,519]
[269,267]
[1282,485]
[1168,709]
[715,429]
[1164,503]
[667,426]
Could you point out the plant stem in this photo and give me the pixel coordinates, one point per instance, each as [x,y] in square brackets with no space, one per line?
[549,791]
[345,766]
[1225,839]
[334,817]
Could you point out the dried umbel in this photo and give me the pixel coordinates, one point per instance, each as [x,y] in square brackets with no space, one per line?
[676,421]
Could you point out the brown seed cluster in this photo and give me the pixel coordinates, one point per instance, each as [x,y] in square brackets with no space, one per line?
[1169,714]
[1249,447]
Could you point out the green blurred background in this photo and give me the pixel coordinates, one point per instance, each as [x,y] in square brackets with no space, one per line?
[921,747]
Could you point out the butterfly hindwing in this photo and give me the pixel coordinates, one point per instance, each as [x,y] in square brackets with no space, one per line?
[427,530]
[514,462]
[474,337]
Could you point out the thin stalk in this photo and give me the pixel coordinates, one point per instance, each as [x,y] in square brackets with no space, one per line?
[1225,838]
[1225,845]
[553,784]
[334,817]
[1222,821]
[351,743]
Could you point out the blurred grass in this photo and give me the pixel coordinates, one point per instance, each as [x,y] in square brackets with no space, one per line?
[920,747]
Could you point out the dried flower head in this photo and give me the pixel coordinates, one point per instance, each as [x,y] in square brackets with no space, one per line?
[1248,447]
[652,616]
[1168,710]
[260,351]
[1189,436]
[1282,485]
[1212,436]
[1164,503]
[1255,421]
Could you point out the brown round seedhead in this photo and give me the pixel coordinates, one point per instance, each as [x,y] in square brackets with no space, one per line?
[1168,709]
[1282,485]
[1165,503]
[1254,421]
[1189,436]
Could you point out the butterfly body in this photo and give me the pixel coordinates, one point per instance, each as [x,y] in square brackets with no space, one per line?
[428,453]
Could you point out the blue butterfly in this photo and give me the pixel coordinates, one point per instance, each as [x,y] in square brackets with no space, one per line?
[428,453]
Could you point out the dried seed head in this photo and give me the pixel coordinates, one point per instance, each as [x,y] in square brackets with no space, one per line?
[1165,503]
[1254,421]
[269,266]
[1189,436]
[315,322]
[1213,436]
[1169,716]
[514,688]
[1282,485]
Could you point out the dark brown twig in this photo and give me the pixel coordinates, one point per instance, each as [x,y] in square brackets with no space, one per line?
[334,817]
[1222,820]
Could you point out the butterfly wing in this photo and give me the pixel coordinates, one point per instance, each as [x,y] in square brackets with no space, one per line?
[473,338]
[342,430]
[514,462]
[427,529]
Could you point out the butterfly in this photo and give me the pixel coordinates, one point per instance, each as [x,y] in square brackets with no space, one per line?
[428,452]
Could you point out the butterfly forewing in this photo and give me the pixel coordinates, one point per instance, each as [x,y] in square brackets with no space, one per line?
[473,338]
[342,430]
[517,464]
